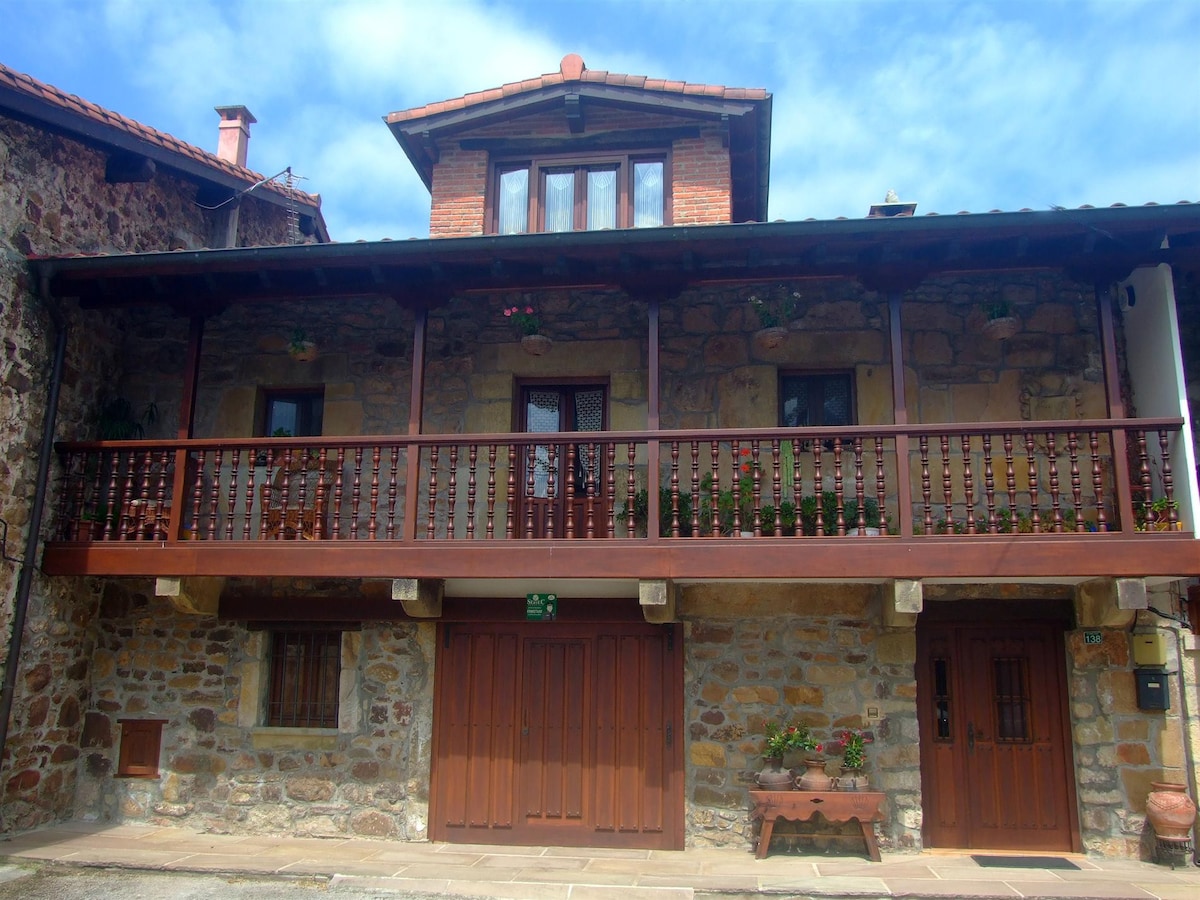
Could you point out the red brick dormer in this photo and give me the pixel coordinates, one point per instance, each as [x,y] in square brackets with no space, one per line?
[582,148]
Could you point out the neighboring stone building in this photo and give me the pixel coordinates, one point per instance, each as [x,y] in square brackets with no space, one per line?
[76,178]
[363,599]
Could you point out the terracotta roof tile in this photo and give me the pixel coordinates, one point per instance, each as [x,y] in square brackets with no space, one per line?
[591,76]
[85,109]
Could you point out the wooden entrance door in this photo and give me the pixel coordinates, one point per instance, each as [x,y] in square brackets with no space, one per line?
[995,769]
[558,734]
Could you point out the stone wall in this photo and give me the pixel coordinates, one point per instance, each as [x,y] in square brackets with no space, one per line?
[54,200]
[220,770]
[799,653]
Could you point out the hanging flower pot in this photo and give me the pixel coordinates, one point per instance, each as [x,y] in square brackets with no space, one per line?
[1001,328]
[300,348]
[536,344]
[770,338]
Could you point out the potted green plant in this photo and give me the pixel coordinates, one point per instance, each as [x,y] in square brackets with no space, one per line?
[781,740]
[774,311]
[999,322]
[528,326]
[828,506]
[300,348]
[119,420]
[640,513]
[854,757]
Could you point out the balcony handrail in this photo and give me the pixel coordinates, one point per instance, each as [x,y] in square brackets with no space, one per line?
[826,432]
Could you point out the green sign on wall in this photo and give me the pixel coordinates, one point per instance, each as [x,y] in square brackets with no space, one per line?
[541,607]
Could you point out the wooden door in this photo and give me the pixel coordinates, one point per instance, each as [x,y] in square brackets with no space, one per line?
[995,762]
[558,734]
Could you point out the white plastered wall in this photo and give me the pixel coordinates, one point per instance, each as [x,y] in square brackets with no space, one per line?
[1156,375]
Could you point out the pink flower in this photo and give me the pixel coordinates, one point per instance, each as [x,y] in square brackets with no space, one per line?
[507,313]
[528,310]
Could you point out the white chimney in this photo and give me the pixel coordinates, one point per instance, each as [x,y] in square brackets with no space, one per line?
[233,139]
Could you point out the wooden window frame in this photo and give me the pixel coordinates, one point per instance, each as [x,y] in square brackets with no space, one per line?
[848,374]
[314,394]
[141,744]
[304,708]
[538,166]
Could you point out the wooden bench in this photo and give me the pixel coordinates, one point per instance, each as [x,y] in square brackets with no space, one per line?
[865,807]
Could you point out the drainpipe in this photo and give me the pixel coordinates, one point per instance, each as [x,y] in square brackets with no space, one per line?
[25,577]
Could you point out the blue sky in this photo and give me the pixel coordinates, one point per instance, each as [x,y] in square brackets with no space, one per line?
[955,105]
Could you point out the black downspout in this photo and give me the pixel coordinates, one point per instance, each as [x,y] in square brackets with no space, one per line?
[25,578]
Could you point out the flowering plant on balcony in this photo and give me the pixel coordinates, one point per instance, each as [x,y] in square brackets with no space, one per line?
[775,309]
[854,752]
[523,318]
[782,738]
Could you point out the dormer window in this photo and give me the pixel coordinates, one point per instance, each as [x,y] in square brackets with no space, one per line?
[571,194]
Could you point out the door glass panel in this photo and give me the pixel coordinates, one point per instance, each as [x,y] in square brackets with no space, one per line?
[514,202]
[589,416]
[560,201]
[647,194]
[1011,699]
[602,199]
[941,699]
[542,415]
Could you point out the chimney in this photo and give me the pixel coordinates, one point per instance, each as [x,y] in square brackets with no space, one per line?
[234,135]
[891,207]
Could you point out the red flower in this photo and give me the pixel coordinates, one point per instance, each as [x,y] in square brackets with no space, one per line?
[818,748]
[745,451]
[745,467]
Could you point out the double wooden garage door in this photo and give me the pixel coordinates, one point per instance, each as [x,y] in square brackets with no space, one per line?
[558,734]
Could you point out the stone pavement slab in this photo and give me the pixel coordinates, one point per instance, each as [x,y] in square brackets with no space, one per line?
[566,873]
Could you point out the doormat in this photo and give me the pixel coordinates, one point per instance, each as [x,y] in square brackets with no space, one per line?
[1024,862]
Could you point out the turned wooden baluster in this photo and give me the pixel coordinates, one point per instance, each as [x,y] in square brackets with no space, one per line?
[838,486]
[947,485]
[213,495]
[631,491]
[736,450]
[776,489]
[511,493]
[589,523]
[880,487]
[1168,477]
[1097,480]
[1055,493]
[715,491]
[251,472]
[431,515]
[530,487]
[373,493]
[797,484]
[337,487]
[1035,514]
[964,443]
[1010,482]
[989,484]
[570,491]
[393,494]
[756,489]
[490,530]
[610,488]
[674,488]
[552,489]
[111,514]
[926,484]
[452,493]
[1076,480]
[472,463]
[160,495]
[818,488]
[322,491]
[234,468]
[1144,472]
[356,487]
[695,489]
[860,494]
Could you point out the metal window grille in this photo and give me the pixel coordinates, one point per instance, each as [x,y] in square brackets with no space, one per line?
[1012,700]
[305,672]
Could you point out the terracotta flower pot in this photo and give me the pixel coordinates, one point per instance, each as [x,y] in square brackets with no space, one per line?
[303,351]
[535,344]
[774,777]
[771,337]
[814,777]
[1002,328]
[1171,812]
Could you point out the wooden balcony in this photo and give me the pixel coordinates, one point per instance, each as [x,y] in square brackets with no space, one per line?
[992,501]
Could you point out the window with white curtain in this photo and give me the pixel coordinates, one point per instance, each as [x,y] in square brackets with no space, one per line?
[556,193]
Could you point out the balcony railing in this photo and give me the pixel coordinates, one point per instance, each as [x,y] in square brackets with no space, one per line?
[918,480]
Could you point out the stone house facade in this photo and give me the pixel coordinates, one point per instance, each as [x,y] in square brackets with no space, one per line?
[428,524]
